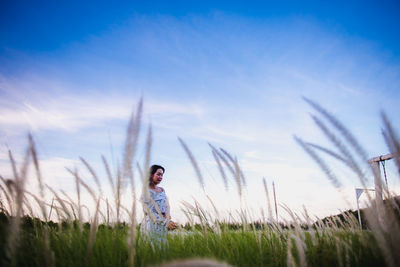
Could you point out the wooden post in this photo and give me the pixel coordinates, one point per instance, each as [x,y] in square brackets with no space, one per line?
[378,182]
[374,162]
[381,158]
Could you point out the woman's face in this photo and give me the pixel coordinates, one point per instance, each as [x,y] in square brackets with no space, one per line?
[157,177]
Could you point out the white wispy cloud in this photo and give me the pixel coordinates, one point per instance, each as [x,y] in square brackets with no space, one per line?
[72,112]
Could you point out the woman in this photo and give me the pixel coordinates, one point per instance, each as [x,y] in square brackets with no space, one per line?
[155,207]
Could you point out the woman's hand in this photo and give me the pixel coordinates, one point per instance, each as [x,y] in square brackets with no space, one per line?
[171,226]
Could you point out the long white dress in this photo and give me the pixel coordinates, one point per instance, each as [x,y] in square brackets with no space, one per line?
[154,224]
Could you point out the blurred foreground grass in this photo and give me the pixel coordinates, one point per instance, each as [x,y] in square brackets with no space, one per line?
[267,246]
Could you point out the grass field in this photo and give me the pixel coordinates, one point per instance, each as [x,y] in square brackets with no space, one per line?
[270,246]
[28,241]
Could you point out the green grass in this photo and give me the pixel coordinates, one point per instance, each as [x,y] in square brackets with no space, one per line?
[262,247]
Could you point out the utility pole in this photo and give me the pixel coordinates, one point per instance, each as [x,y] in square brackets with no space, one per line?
[374,162]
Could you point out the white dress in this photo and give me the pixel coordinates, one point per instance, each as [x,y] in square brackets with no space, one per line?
[154,224]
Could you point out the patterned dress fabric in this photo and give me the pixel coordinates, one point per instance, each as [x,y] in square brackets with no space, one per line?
[154,225]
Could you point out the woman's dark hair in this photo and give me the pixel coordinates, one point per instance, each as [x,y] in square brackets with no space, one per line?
[153,170]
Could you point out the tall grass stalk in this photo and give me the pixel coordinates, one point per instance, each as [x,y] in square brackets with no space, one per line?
[270,216]
[18,185]
[194,163]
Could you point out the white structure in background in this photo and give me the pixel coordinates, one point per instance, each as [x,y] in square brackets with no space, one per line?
[359,191]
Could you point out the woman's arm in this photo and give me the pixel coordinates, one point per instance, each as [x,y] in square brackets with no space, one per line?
[168,214]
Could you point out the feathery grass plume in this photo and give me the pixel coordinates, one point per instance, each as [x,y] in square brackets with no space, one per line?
[386,230]
[300,247]
[351,222]
[118,194]
[93,173]
[19,184]
[349,160]
[125,209]
[38,173]
[290,261]
[108,212]
[78,193]
[86,186]
[338,246]
[145,173]
[14,170]
[2,207]
[214,207]
[341,128]
[240,171]
[37,199]
[271,217]
[194,163]
[8,198]
[201,214]
[101,213]
[320,162]
[239,176]
[115,186]
[392,140]
[226,162]
[243,219]
[187,210]
[51,208]
[132,235]
[382,237]
[73,205]
[109,176]
[327,151]
[61,202]
[48,255]
[139,170]
[87,210]
[132,214]
[216,156]
[92,234]
[27,205]
[306,216]
[236,172]
[58,211]
[132,135]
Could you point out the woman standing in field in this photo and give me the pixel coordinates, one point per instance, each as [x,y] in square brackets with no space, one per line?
[155,207]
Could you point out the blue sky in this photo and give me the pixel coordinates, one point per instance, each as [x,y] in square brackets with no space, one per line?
[232,74]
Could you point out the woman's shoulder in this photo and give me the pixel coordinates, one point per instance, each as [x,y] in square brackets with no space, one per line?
[158,190]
